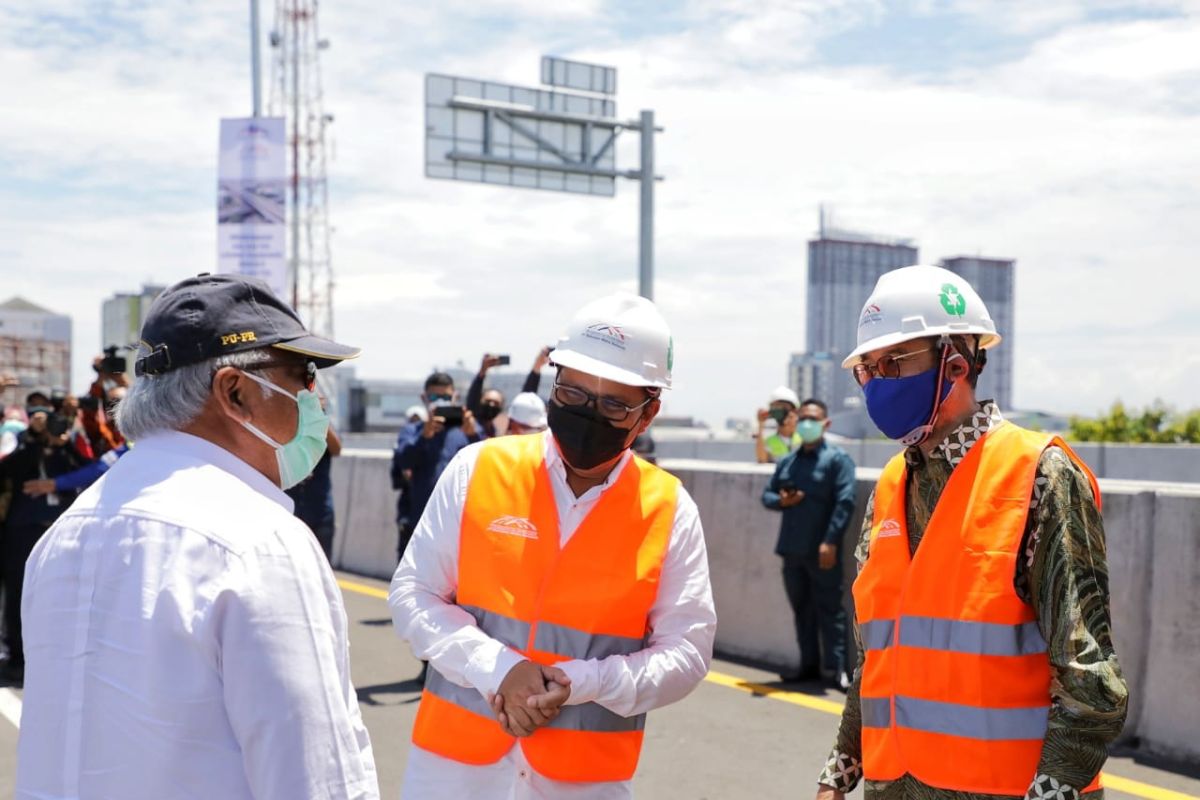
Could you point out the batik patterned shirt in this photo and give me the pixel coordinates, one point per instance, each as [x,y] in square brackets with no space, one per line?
[1063,575]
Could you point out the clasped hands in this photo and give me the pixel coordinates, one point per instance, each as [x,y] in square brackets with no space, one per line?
[529,697]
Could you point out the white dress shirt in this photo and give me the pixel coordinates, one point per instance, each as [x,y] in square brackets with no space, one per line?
[682,625]
[185,638]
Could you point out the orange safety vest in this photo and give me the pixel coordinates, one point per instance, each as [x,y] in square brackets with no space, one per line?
[589,599]
[956,684]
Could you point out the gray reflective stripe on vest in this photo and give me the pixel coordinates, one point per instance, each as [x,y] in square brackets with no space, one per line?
[971,722]
[976,638]
[585,717]
[512,632]
[471,700]
[553,638]
[876,712]
[877,634]
[596,718]
[953,719]
[561,640]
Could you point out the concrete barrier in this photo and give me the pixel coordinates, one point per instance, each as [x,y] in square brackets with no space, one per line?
[1153,533]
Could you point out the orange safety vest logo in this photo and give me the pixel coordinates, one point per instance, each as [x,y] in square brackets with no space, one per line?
[588,599]
[956,682]
[514,526]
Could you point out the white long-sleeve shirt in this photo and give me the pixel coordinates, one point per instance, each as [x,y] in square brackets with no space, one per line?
[185,638]
[682,626]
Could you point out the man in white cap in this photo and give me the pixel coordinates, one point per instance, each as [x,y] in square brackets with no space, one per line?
[527,414]
[185,635]
[986,664]
[557,584]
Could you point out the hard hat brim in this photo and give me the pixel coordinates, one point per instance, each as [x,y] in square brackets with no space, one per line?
[986,340]
[593,366]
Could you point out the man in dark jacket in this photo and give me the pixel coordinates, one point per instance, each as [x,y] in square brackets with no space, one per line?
[423,449]
[814,488]
[43,453]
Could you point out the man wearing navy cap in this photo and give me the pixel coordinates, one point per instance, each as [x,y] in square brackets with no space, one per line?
[182,627]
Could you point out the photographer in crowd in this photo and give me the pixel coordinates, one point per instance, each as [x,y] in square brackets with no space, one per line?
[96,407]
[423,449]
[784,409]
[487,405]
[43,453]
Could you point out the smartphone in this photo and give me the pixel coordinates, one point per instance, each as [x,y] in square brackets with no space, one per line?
[503,361]
[452,414]
[786,486]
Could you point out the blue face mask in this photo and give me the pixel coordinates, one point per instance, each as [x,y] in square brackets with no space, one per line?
[900,407]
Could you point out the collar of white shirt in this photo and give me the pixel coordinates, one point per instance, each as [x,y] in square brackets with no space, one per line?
[178,444]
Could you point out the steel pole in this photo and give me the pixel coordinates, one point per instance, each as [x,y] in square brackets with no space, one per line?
[295,54]
[646,210]
[255,58]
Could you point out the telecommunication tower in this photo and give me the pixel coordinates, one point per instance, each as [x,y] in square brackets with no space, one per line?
[296,95]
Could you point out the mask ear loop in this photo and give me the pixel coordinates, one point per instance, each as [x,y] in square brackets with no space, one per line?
[916,437]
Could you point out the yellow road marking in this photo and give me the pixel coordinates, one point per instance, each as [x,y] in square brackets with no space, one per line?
[1111,781]
[775,693]
[362,588]
[1119,784]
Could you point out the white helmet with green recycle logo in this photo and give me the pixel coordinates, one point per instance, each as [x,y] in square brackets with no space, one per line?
[919,301]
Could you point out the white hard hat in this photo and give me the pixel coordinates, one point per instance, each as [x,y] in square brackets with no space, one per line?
[786,395]
[417,411]
[529,410]
[621,338]
[914,302]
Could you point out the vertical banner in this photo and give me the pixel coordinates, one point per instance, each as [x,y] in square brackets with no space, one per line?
[251,198]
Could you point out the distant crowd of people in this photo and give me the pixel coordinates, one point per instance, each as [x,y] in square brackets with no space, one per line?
[51,448]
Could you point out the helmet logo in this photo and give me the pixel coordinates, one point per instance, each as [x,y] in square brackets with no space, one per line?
[609,334]
[670,353]
[871,315]
[953,300]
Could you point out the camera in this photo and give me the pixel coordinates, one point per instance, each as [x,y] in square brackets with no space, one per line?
[452,414]
[503,361]
[111,362]
[57,425]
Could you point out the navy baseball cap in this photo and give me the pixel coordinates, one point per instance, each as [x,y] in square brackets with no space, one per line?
[214,315]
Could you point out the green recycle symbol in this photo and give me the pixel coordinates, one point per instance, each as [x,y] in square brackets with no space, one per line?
[953,300]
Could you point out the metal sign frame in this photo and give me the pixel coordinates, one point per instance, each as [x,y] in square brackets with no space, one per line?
[488,132]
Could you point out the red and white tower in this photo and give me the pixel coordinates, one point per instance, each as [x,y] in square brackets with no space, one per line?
[296,95]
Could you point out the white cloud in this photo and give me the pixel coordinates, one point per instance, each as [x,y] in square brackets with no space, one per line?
[1075,159]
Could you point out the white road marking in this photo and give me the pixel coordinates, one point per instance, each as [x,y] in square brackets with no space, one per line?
[10,707]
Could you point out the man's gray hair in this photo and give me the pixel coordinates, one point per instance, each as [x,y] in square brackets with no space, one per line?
[172,401]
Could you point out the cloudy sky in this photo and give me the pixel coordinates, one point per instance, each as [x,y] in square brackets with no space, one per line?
[1061,133]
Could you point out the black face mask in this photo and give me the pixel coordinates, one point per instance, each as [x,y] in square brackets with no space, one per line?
[487,413]
[586,439]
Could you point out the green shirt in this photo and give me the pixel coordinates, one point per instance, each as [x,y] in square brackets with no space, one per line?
[778,447]
[1064,576]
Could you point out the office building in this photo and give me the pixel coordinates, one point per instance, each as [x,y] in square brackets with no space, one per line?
[812,375]
[35,350]
[993,280]
[121,318]
[843,267]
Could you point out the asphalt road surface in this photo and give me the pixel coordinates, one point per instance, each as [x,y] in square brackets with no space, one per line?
[738,736]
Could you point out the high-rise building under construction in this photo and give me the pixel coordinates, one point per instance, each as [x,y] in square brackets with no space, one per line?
[842,269]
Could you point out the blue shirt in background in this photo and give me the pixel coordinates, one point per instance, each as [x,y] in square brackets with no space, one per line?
[826,476]
[426,459]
